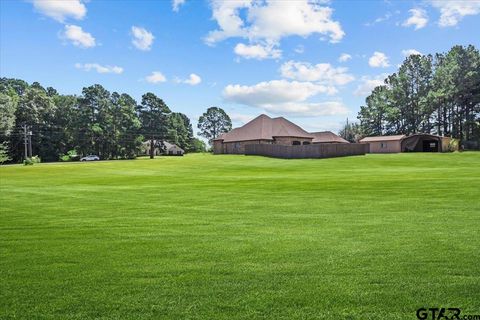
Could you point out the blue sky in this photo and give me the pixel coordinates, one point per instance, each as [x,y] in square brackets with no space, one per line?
[249,57]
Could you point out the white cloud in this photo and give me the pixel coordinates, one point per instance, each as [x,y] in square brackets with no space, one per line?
[322,73]
[176,4]
[193,79]
[275,91]
[142,39]
[299,49]
[369,83]
[78,37]
[383,18]
[307,109]
[410,52]
[267,22]
[99,68]
[61,10]
[241,118]
[156,77]
[285,97]
[322,124]
[418,18]
[344,57]
[257,51]
[452,11]
[379,59]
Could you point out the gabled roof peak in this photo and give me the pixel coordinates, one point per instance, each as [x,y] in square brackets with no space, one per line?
[264,128]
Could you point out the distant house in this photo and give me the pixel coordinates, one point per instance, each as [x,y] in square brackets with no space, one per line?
[419,142]
[172,149]
[266,130]
[162,148]
[145,149]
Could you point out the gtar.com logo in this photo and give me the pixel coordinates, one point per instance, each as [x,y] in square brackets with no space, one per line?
[444,314]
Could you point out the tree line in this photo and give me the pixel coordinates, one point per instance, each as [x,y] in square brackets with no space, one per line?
[110,125]
[437,94]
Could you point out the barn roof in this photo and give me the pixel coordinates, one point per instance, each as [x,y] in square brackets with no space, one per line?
[327,136]
[265,128]
[383,138]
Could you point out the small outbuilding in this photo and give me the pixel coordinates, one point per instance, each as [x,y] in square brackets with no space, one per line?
[419,142]
[422,143]
[384,144]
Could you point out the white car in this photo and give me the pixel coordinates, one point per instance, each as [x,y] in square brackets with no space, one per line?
[90,158]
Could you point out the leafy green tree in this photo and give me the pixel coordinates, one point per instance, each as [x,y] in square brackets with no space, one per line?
[51,92]
[8,106]
[457,91]
[153,114]
[352,132]
[180,130]
[34,109]
[198,145]
[373,116]
[63,123]
[110,125]
[93,113]
[4,156]
[213,123]
[126,125]
[17,85]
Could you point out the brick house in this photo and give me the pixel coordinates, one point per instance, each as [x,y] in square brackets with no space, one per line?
[266,130]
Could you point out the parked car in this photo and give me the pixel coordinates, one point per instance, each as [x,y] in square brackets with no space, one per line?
[91,157]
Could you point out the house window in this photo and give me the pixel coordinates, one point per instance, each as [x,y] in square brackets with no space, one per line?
[179,152]
[296,143]
[383,145]
[306,142]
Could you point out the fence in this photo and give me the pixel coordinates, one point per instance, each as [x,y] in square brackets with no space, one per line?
[326,150]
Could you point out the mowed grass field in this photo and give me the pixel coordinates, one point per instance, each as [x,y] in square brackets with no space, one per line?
[241,237]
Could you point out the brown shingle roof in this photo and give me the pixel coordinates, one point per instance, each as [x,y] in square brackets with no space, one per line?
[327,136]
[265,128]
[383,138]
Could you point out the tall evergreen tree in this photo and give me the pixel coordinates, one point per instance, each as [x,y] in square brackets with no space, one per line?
[214,122]
[180,130]
[153,114]
[91,133]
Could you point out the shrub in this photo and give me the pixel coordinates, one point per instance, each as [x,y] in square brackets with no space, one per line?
[31,161]
[453,145]
[71,155]
[4,153]
[36,159]
[64,158]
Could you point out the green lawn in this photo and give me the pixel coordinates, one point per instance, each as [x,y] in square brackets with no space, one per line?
[241,237]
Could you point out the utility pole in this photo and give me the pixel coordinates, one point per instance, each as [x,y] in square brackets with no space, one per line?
[346,131]
[30,143]
[25,140]
[152,145]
